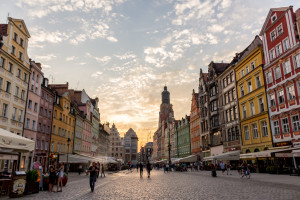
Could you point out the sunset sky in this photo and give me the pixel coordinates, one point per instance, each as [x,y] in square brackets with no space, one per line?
[125,51]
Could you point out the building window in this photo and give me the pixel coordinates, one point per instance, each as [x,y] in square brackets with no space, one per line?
[277,72]
[273,35]
[291,92]
[37,144]
[25,77]
[213,106]
[276,128]
[29,104]
[297,60]
[33,75]
[242,91]
[15,37]
[296,124]
[35,107]
[272,54]
[14,114]
[254,131]
[23,95]
[249,86]
[286,44]
[269,77]
[231,77]
[285,124]
[17,91]
[7,89]
[10,67]
[2,62]
[229,134]
[1,83]
[261,105]
[252,109]
[264,126]
[247,136]
[20,115]
[247,69]
[13,50]
[244,112]
[279,29]
[21,42]
[273,18]
[287,67]
[27,123]
[243,74]
[33,125]
[278,49]
[280,96]
[252,65]
[258,82]
[20,55]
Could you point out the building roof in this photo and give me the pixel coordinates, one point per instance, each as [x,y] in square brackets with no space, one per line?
[219,67]
[269,15]
[257,42]
[3,29]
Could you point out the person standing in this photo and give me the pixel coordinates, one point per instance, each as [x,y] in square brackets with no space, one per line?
[60,177]
[52,178]
[164,166]
[167,168]
[141,169]
[149,168]
[102,171]
[222,165]
[93,170]
[228,168]
[79,169]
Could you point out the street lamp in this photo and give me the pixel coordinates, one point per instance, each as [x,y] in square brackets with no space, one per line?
[68,142]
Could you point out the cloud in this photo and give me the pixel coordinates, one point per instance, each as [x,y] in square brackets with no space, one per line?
[71,58]
[112,39]
[215,28]
[102,60]
[40,36]
[96,74]
[45,58]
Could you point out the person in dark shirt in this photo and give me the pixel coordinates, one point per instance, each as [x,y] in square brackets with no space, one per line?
[141,169]
[149,168]
[93,170]
[52,178]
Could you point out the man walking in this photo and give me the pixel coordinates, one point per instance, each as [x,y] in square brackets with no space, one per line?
[102,171]
[222,167]
[141,169]
[149,168]
[93,170]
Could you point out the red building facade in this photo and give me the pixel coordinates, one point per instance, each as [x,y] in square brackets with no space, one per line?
[195,126]
[282,74]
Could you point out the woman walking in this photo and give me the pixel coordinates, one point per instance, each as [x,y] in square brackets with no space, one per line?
[60,177]
[52,178]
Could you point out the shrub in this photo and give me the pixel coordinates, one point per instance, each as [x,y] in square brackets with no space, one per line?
[32,176]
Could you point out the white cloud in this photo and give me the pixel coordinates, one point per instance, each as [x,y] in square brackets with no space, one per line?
[112,39]
[102,60]
[126,56]
[45,58]
[71,58]
[215,28]
[40,36]
[96,74]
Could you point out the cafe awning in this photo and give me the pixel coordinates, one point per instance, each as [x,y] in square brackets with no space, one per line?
[13,141]
[74,159]
[268,153]
[231,155]
[191,158]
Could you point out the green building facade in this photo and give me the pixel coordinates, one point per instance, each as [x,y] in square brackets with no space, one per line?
[182,138]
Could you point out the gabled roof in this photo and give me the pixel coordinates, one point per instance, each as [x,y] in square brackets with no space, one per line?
[269,15]
[257,42]
[23,28]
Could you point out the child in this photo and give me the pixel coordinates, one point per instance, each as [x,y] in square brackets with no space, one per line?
[52,177]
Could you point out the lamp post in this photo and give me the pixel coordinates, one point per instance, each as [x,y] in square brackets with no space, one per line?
[68,142]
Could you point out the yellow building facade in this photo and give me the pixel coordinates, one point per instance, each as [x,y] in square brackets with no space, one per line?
[63,125]
[253,108]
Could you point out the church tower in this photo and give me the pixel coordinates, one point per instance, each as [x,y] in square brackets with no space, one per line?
[166,109]
[165,96]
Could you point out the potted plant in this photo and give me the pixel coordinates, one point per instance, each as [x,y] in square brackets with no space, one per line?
[65,179]
[32,185]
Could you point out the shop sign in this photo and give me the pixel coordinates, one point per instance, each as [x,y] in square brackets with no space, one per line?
[231,149]
[283,155]
[280,144]
[8,157]
[296,144]
[19,186]
[52,155]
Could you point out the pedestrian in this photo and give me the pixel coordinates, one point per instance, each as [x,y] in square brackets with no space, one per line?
[141,169]
[79,169]
[93,170]
[167,168]
[137,167]
[52,178]
[60,171]
[222,165]
[102,171]
[98,166]
[149,168]
[228,168]
[164,166]
[191,166]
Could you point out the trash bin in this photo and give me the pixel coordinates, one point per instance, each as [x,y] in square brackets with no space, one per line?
[214,173]
[18,183]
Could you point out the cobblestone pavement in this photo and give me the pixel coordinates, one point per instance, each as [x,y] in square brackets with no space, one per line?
[178,185]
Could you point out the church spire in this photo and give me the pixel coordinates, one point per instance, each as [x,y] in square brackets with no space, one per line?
[165,95]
